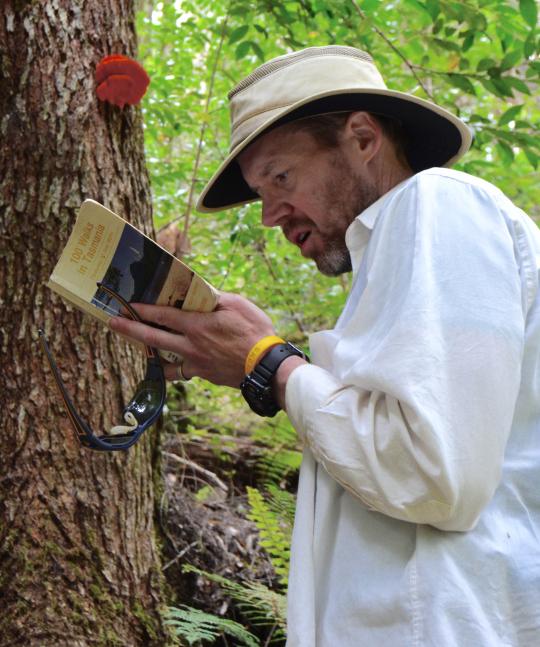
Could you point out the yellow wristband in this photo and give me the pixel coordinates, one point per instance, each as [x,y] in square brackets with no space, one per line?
[258,349]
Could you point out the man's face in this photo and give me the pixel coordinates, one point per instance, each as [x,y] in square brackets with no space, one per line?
[312,193]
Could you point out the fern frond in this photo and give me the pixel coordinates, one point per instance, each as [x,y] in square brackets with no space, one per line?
[274,534]
[261,606]
[277,432]
[276,465]
[194,625]
[283,503]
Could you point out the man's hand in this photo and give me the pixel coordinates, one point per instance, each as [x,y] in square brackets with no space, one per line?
[214,345]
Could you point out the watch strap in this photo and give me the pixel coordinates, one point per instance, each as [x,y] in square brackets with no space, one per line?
[260,349]
[257,385]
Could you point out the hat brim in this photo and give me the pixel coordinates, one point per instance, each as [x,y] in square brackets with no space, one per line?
[435,137]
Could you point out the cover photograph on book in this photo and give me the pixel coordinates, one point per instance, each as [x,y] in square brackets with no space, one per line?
[142,272]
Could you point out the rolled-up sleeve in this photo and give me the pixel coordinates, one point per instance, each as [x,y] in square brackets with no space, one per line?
[413,404]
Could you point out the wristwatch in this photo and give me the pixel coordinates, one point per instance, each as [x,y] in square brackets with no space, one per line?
[257,386]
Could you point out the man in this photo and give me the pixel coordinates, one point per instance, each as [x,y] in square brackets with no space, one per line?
[418,515]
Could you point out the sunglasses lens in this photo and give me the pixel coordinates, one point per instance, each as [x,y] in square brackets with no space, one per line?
[147,400]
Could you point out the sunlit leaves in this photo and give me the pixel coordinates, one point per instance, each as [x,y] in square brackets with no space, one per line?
[242,49]
[506,152]
[462,82]
[509,115]
[529,11]
[238,33]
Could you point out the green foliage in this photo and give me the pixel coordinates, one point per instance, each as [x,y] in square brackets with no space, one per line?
[282,457]
[197,627]
[262,608]
[274,533]
[282,503]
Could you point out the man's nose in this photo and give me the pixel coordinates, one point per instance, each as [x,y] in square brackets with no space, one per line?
[273,211]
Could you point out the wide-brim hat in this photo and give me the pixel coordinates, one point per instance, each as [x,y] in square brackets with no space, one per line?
[320,80]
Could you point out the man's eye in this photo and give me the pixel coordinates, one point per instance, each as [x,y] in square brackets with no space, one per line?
[282,177]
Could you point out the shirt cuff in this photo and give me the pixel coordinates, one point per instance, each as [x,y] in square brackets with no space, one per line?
[308,388]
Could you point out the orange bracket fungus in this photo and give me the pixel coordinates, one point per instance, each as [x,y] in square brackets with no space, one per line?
[120,80]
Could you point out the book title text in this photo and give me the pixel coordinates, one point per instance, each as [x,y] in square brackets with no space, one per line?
[87,246]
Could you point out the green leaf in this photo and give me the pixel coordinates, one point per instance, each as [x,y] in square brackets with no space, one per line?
[509,115]
[492,88]
[415,4]
[506,152]
[258,51]
[285,16]
[462,82]
[261,30]
[242,49]
[468,41]
[511,59]
[238,33]
[238,11]
[479,22]
[485,64]
[504,87]
[516,83]
[532,157]
[448,45]
[529,11]
[439,24]
[474,118]
[529,47]
[182,48]
[434,8]
[370,5]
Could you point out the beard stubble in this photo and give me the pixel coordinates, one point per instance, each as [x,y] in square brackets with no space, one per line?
[345,195]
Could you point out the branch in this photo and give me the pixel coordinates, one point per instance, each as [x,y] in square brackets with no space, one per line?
[203,130]
[180,555]
[363,16]
[197,468]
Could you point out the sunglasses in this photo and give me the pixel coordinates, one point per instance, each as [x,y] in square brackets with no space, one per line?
[143,409]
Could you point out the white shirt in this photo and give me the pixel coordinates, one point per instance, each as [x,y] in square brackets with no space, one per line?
[418,513]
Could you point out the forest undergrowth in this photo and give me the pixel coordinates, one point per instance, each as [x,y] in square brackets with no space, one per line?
[226,514]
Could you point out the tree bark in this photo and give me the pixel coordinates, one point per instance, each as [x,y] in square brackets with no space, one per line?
[78,558]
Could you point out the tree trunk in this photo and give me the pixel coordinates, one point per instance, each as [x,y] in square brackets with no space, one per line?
[78,559]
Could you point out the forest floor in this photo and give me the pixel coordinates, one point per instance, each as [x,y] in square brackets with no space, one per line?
[203,518]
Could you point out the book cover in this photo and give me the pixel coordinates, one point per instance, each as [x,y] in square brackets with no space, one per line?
[105,248]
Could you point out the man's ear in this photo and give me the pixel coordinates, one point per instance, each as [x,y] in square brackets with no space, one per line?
[364,134]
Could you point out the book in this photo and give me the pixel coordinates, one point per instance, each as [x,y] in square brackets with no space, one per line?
[105,248]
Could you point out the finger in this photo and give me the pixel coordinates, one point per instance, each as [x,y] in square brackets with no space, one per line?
[149,335]
[166,316]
